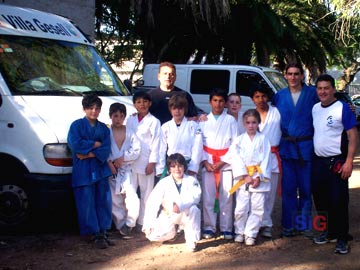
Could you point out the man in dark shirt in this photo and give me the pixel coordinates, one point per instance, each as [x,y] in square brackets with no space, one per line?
[160,96]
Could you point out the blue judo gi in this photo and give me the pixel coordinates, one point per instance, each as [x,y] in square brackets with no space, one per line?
[296,151]
[90,176]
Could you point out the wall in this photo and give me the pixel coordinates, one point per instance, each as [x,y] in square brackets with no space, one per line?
[81,12]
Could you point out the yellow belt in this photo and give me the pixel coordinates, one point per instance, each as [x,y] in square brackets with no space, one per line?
[251,170]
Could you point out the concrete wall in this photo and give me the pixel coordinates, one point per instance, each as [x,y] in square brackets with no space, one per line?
[81,12]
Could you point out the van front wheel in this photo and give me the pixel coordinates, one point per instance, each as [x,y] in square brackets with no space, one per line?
[14,205]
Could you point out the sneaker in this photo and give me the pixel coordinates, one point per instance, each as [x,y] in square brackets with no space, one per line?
[266,232]
[288,233]
[323,238]
[207,234]
[100,242]
[308,234]
[138,228]
[191,246]
[341,247]
[249,241]
[125,230]
[109,241]
[239,238]
[227,235]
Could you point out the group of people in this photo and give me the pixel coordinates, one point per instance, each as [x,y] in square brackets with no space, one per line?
[169,169]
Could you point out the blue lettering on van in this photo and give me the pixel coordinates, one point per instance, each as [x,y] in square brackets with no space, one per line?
[18,23]
[57,29]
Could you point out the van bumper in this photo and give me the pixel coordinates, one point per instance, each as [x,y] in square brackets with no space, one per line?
[50,192]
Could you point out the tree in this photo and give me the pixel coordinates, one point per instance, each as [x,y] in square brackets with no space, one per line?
[208,31]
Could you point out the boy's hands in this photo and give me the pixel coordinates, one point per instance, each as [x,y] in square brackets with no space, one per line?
[97,144]
[213,167]
[118,162]
[82,156]
[150,168]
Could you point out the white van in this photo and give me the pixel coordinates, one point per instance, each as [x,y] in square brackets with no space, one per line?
[46,65]
[200,78]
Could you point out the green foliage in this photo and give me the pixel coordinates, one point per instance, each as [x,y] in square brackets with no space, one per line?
[232,32]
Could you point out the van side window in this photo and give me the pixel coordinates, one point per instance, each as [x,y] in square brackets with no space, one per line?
[244,79]
[202,80]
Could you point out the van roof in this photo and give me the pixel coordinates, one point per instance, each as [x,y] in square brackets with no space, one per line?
[220,66]
[34,23]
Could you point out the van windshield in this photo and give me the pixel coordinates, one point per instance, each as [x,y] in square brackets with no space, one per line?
[34,66]
[277,79]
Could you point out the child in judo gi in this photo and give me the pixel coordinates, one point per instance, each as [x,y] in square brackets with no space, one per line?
[125,149]
[177,195]
[233,105]
[180,135]
[89,141]
[147,128]
[218,131]
[270,127]
[249,156]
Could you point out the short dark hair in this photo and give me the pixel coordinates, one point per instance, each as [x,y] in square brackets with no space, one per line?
[167,64]
[117,107]
[91,99]
[294,65]
[218,92]
[176,159]
[141,94]
[178,101]
[326,78]
[255,87]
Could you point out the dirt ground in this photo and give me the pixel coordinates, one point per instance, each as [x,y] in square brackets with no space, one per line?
[64,249]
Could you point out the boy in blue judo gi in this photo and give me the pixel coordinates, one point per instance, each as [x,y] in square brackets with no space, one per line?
[89,141]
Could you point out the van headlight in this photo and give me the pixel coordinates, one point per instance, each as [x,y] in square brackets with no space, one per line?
[58,154]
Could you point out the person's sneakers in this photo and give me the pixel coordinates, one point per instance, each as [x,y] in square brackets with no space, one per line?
[125,231]
[342,247]
[266,232]
[249,241]
[138,228]
[100,242]
[109,241]
[239,238]
[309,234]
[227,235]
[207,234]
[323,238]
[288,233]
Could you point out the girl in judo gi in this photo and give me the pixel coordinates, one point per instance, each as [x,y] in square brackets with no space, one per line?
[249,156]
[125,149]
[180,135]
[177,195]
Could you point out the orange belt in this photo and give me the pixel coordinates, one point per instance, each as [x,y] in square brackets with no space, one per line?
[216,154]
[275,150]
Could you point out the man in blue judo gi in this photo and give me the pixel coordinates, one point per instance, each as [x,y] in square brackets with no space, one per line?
[296,150]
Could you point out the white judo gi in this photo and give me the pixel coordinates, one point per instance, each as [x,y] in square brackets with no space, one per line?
[125,202]
[249,209]
[272,131]
[164,195]
[218,134]
[148,131]
[185,139]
